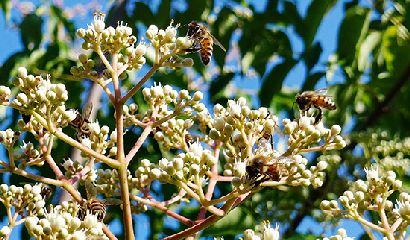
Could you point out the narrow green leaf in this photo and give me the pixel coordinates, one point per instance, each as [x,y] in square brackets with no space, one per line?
[352,32]
[163,15]
[31,31]
[219,84]
[272,83]
[312,55]
[5,5]
[395,52]
[311,80]
[142,13]
[371,41]
[234,223]
[222,29]
[291,12]
[315,14]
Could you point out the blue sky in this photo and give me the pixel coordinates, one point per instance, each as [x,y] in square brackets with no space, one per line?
[10,43]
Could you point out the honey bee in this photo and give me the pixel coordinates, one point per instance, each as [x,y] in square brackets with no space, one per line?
[203,41]
[262,167]
[46,191]
[80,123]
[316,99]
[92,206]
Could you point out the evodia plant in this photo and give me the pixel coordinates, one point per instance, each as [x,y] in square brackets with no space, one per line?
[178,120]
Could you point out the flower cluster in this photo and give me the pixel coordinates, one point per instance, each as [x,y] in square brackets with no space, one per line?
[263,231]
[165,104]
[373,195]
[39,96]
[166,41]
[341,235]
[26,201]
[191,166]
[100,139]
[61,223]
[391,153]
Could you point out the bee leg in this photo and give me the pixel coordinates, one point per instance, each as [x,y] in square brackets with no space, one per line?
[192,50]
[318,116]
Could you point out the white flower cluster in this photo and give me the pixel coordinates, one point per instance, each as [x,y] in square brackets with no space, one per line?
[110,40]
[165,40]
[39,95]
[26,201]
[239,128]
[9,137]
[303,133]
[186,167]
[61,223]
[100,139]
[266,232]
[390,152]
[372,195]
[341,235]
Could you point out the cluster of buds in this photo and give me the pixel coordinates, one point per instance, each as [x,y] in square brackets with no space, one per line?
[391,153]
[100,139]
[71,167]
[29,156]
[8,138]
[165,104]
[304,133]
[372,196]
[39,95]
[61,223]
[239,128]
[191,166]
[26,201]
[264,231]
[341,235]
[166,42]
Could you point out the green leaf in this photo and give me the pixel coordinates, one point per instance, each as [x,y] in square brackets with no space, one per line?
[303,236]
[312,55]
[395,51]
[142,13]
[311,80]
[315,14]
[163,15]
[234,223]
[31,31]
[293,16]
[352,32]
[371,41]
[68,25]
[272,83]
[5,5]
[222,29]
[219,84]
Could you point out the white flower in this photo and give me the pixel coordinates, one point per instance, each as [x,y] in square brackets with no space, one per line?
[372,173]
[152,31]
[4,231]
[270,233]
[196,148]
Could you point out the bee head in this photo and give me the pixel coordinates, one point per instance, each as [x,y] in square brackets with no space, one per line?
[193,27]
[302,102]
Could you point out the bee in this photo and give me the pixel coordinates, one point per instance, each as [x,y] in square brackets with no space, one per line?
[203,41]
[92,206]
[46,191]
[263,167]
[80,123]
[316,99]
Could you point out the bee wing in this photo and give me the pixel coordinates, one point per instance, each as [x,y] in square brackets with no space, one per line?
[90,189]
[321,91]
[218,43]
[87,111]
